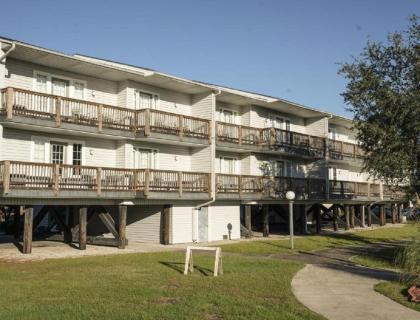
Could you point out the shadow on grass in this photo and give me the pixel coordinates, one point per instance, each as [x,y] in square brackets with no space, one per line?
[179,267]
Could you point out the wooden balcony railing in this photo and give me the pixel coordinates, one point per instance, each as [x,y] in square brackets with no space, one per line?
[340,150]
[270,137]
[348,189]
[32,104]
[59,177]
[273,187]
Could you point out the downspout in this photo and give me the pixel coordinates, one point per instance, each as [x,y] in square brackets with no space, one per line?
[8,51]
[213,155]
[212,170]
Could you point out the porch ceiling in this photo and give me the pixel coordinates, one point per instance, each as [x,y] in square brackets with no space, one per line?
[103,69]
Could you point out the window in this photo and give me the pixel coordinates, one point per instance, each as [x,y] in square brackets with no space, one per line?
[79,90]
[333,173]
[39,151]
[77,154]
[144,158]
[57,152]
[287,125]
[144,100]
[228,165]
[227,116]
[332,133]
[41,83]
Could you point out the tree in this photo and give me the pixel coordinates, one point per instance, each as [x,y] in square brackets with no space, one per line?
[383,92]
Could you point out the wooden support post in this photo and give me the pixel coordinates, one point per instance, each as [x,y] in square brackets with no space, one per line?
[248,222]
[180,183]
[9,103]
[240,135]
[82,227]
[181,126]
[317,209]
[146,182]
[98,181]
[369,215]
[58,111]
[27,230]
[303,219]
[352,216]
[266,220]
[6,177]
[400,209]
[16,222]
[100,117]
[56,178]
[347,215]
[394,213]
[122,223]
[382,220]
[335,218]
[147,122]
[362,215]
[166,224]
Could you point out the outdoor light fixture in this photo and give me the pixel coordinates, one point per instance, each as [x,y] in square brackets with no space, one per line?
[127,203]
[290,195]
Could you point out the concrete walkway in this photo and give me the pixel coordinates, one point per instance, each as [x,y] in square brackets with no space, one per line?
[340,290]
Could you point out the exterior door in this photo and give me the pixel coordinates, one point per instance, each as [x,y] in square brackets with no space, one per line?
[278,123]
[228,165]
[203,225]
[58,154]
[228,116]
[144,158]
[60,87]
[278,169]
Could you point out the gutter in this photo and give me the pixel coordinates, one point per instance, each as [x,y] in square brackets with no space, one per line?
[13,47]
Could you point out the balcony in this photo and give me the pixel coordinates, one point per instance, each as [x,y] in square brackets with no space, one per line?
[340,150]
[393,193]
[268,188]
[30,107]
[269,139]
[354,190]
[44,180]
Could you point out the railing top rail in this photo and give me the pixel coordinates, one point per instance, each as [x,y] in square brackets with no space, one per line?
[176,114]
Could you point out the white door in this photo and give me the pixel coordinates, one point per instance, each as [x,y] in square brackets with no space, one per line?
[278,169]
[277,123]
[144,100]
[227,116]
[144,158]
[203,224]
[60,87]
[228,165]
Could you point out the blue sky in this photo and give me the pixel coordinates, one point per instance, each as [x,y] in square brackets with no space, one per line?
[289,49]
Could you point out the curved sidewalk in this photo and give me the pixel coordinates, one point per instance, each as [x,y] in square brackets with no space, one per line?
[346,293]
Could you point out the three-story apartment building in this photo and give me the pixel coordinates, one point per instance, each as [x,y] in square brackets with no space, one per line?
[185,160]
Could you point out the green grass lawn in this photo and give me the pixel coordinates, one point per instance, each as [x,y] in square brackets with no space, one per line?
[149,286]
[397,292]
[310,243]
[384,259]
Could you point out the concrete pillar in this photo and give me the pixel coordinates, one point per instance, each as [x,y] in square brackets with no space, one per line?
[362,216]
[266,220]
[347,216]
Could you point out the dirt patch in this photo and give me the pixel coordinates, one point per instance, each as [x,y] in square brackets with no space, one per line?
[166,300]
[214,317]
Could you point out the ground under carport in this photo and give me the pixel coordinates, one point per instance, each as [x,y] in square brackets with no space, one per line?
[334,287]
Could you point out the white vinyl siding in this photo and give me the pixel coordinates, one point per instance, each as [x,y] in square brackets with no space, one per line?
[220,217]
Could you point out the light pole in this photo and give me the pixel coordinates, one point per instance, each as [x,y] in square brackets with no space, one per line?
[290,195]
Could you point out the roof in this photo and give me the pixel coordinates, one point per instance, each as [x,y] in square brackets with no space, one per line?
[118,71]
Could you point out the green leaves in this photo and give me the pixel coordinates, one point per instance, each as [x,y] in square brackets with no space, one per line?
[383,92]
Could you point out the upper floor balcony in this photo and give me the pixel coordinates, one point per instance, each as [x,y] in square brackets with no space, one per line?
[340,150]
[269,139]
[62,181]
[29,107]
